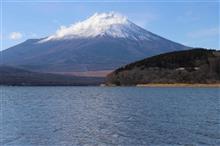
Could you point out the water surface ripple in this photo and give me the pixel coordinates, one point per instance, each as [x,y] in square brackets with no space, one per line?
[109,116]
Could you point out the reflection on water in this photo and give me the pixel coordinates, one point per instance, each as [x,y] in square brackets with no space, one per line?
[127,116]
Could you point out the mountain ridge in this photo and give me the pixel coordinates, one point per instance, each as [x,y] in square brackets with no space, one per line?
[20,77]
[104,24]
[80,54]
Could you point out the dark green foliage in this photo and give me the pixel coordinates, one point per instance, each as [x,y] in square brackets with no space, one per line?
[189,66]
[173,59]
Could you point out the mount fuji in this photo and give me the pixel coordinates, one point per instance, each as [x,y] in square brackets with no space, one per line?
[105,41]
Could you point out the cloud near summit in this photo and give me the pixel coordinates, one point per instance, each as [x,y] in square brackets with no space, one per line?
[15,36]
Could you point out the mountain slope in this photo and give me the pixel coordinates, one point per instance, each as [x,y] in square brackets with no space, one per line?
[16,76]
[102,42]
[191,66]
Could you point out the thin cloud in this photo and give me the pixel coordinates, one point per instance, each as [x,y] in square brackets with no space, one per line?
[15,36]
[57,22]
[32,35]
[143,19]
[188,17]
[208,32]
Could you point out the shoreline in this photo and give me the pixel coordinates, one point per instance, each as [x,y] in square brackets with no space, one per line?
[178,85]
[217,85]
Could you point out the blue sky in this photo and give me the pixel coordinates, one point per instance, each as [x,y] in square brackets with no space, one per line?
[190,23]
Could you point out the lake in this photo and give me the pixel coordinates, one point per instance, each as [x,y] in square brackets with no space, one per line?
[107,116]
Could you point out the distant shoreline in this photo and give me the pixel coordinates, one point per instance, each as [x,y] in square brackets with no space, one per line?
[178,85]
[103,85]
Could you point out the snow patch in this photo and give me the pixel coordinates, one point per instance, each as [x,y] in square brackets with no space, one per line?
[103,24]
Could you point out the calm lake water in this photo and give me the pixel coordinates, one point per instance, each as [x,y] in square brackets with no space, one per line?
[102,116]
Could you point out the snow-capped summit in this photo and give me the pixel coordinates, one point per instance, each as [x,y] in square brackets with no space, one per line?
[101,24]
[103,42]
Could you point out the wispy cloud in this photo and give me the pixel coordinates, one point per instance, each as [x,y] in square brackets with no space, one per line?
[57,22]
[188,16]
[15,36]
[207,32]
[143,19]
[32,35]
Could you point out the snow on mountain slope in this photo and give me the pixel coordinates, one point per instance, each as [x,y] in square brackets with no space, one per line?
[103,24]
[104,41]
